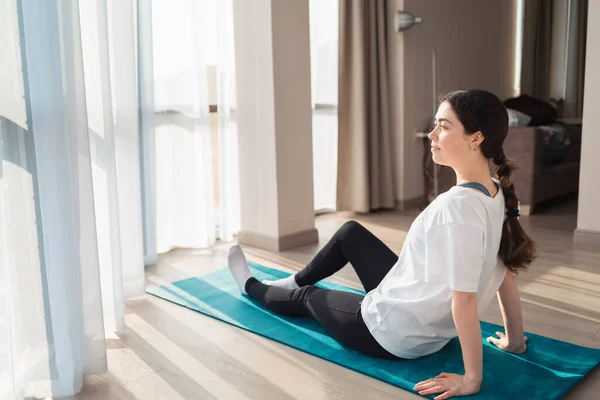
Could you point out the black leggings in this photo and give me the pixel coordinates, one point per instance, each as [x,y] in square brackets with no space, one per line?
[338,312]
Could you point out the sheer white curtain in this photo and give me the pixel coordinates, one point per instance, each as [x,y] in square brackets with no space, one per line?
[196,172]
[109,48]
[324,80]
[70,207]
[229,187]
[147,132]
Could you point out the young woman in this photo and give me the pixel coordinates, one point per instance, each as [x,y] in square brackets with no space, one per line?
[465,247]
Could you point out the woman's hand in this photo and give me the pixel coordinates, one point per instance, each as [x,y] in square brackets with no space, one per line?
[449,385]
[504,344]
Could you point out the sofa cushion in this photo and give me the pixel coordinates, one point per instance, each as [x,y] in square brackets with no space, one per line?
[517,118]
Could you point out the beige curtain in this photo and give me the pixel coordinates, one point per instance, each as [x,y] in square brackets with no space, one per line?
[365,163]
[537,49]
[538,44]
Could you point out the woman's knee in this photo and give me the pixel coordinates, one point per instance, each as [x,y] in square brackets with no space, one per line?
[351,227]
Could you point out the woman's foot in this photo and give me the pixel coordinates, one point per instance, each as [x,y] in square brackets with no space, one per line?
[286,283]
[236,261]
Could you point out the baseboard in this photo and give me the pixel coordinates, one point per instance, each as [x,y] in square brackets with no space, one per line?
[281,243]
[409,204]
[586,237]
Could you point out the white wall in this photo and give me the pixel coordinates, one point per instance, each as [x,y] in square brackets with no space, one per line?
[588,218]
[474,42]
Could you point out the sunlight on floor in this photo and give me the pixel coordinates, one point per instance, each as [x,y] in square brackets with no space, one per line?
[242,346]
[561,310]
[194,369]
[576,288]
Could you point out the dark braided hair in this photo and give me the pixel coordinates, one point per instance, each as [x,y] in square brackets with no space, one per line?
[481,111]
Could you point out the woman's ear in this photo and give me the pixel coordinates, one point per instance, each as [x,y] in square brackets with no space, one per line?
[478,138]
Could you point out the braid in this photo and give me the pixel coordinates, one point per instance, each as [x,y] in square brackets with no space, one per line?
[517,249]
[505,169]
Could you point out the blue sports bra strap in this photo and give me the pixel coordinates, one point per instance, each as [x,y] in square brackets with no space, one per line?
[478,186]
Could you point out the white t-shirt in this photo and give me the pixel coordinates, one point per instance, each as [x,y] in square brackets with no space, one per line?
[452,245]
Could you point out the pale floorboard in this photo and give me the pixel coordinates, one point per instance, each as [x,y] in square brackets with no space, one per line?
[169,352]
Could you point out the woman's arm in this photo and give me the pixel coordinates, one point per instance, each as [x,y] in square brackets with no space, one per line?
[510,305]
[466,319]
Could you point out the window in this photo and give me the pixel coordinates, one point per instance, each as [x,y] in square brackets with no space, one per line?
[324,34]
[519,46]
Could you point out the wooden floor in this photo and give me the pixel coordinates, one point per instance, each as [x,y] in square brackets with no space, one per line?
[169,352]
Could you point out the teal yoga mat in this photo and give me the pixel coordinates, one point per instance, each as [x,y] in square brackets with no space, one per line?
[548,370]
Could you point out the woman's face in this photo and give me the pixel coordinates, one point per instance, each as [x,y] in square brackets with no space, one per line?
[450,145]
